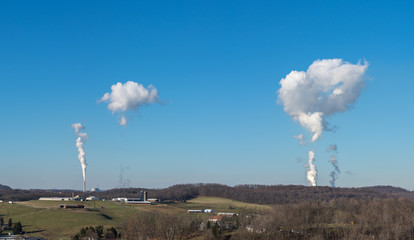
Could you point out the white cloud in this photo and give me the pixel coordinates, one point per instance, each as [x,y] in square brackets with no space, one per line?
[328,86]
[129,96]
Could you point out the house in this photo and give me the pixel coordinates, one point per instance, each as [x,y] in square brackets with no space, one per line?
[215,219]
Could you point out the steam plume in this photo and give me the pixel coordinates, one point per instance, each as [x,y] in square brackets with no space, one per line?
[328,86]
[82,136]
[312,173]
[127,97]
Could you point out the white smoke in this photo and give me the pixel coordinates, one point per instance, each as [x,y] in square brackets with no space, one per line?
[328,86]
[312,173]
[82,136]
[127,97]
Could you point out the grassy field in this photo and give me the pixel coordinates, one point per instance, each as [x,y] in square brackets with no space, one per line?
[46,219]
[221,205]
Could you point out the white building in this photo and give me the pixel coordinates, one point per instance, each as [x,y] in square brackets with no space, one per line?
[92,198]
[55,199]
[195,211]
[227,214]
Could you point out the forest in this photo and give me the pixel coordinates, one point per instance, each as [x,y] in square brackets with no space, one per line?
[346,219]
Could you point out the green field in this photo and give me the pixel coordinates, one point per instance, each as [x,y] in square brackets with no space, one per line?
[46,219]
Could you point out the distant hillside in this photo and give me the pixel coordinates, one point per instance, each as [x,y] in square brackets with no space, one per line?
[386,189]
[4,187]
[257,194]
[394,191]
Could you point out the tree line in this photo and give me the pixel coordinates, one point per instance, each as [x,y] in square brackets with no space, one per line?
[259,194]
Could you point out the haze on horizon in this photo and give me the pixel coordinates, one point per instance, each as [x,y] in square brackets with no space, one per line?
[188,92]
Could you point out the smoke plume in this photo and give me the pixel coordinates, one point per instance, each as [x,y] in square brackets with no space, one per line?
[328,86]
[123,183]
[333,175]
[82,136]
[333,148]
[312,173]
[127,97]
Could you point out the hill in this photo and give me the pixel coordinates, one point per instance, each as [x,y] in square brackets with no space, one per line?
[257,194]
[4,187]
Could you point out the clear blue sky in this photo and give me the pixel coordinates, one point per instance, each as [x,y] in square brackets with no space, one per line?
[217,66]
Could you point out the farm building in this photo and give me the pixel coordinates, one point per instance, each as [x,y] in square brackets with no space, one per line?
[136,201]
[195,211]
[226,214]
[119,199]
[208,210]
[92,198]
[55,199]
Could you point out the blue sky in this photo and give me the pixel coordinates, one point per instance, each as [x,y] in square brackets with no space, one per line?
[217,67]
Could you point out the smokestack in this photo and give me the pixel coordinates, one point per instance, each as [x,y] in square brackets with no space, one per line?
[82,136]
